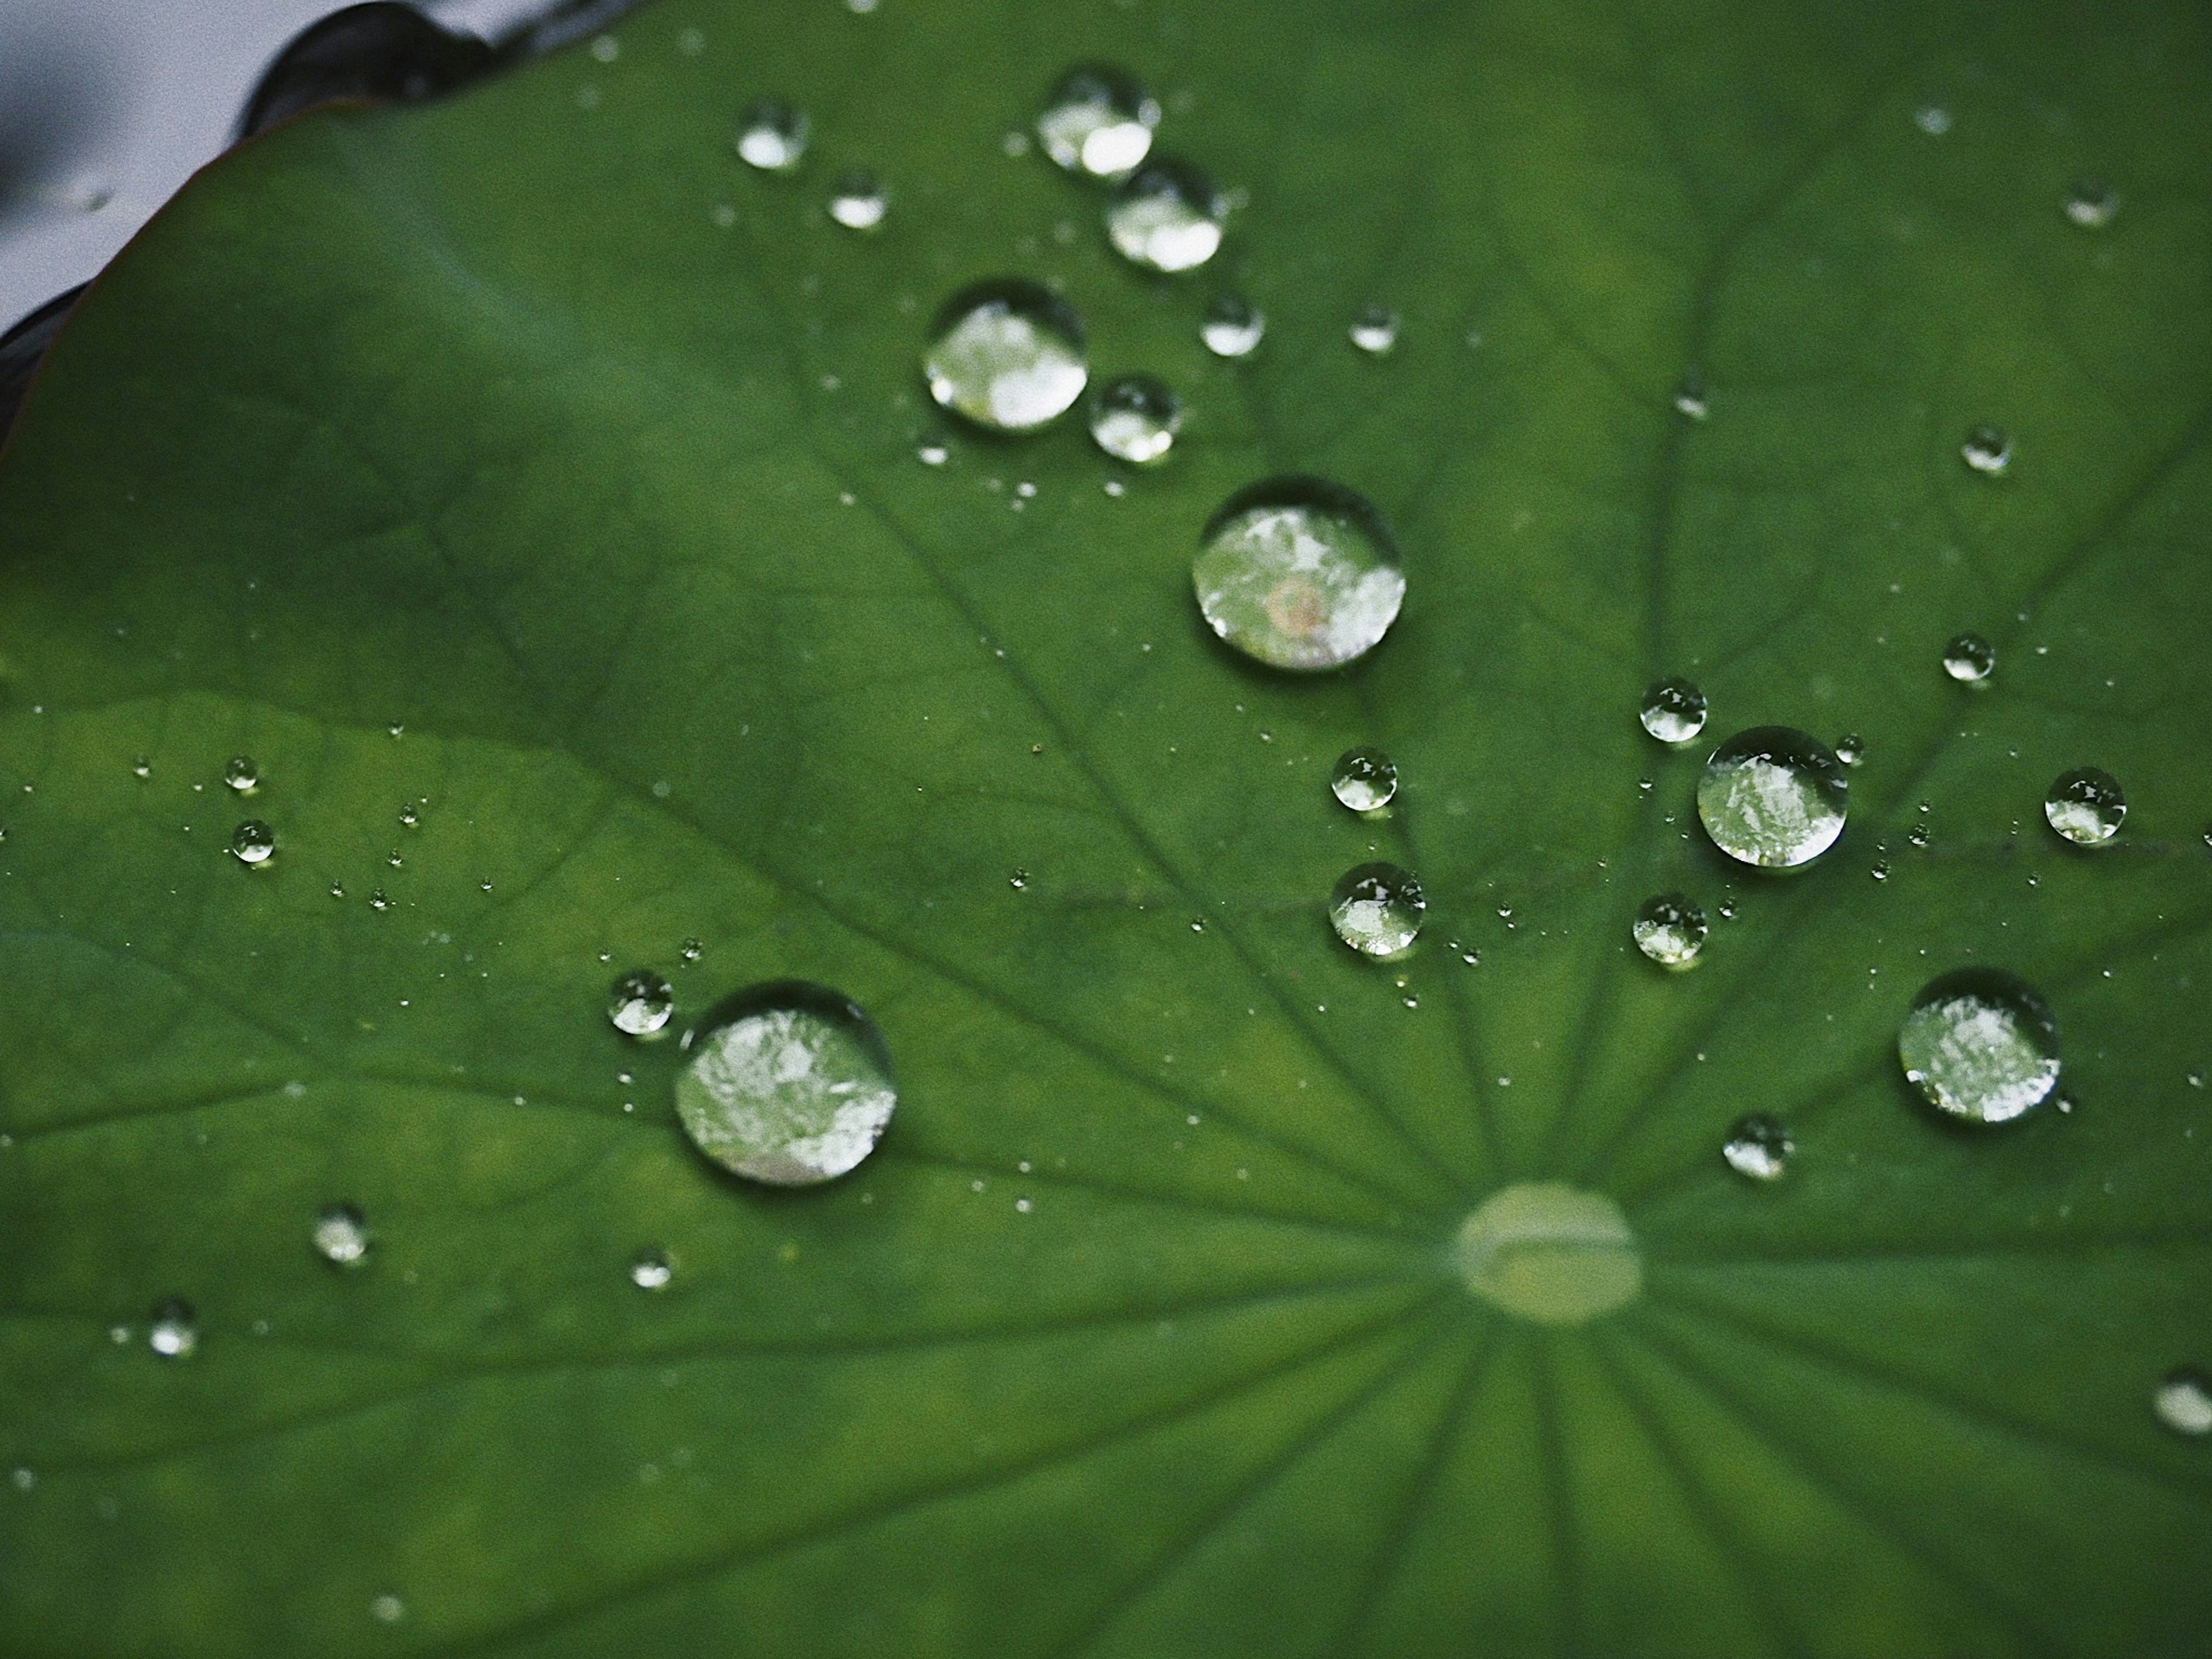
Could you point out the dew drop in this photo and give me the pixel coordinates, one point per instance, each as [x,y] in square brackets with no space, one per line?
[342,1235]
[387,1609]
[1134,419]
[1932,119]
[788,1083]
[858,202]
[640,1003]
[1670,930]
[379,900]
[772,137]
[1757,1147]
[409,818]
[1549,1253]
[1674,711]
[1233,327]
[1980,1044]
[1365,779]
[1008,355]
[1773,796]
[691,950]
[175,1331]
[2086,805]
[1375,329]
[1850,749]
[1377,909]
[1917,835]
[142,768]
[1167,216]
[1880,871]
[1969,659]
[2091,203]
[930,452]
[1987,450]
[2183,1402]
[242,775]
[1690,398]
[1299,573]
[252,843]
[1018,880]
[22,1477]
[650,1269]
[1098,121]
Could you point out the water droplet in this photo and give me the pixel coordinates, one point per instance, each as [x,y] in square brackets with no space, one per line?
[1550,1253]
[1098,121]
[175,1331]
[1759,1147]
[1365,779]
[640,1002]
[1880,870]
[1969,658]
[1917,835]
[1233,327]
[2086,805]
[1773,796]
[378,901]
[858,202]
[1167,216]
[691,952]
[772,137]
[2183,1402]
[1299,573]
[1980,1044]
[409,818]
[1987,450]
[1932,119]
[142,768]
[788,1083]
[650,1269]
[1375,329]
[1135,419]
[1018,880]
[1670,930]
[242,775]
[2091,203]
[1850,749]
[1690,398]
[342,1235]
[1008,355]
[22,1477]
[252,843]
[387,1609]
[1674,711]
[1377,909]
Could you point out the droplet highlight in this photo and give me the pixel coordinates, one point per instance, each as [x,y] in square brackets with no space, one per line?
[341,1236]
[1377,909]
[788,1084]
[651,1270]
[2091,203]
[253,842]
[1980,1044]
[242,775]
[2183,1402]
[1298,574]
[1167,216]
[1375,329]
[1233,327]
[1673,711]
[1365,779]
[175,1331]
[1007,355]
[1758,1147]
[1135,419]
[2086,805]
[1987,450]
[1098,121]
[859,201]
[1670,930]
[1969,659]
[640,1003]
[772,137]
[1773,796]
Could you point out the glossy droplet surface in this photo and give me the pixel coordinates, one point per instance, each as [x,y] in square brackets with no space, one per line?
[1233,327]
[858,202]
[1375,329]
[175,1331]
[1007,355]
[1098,121]
[1773,796]
[242,775]
[772,137]
[342,1235]
[2183,1402]
[1757,1147]
[1299,573]
[640,1003]
[1377,909]
[1548,1253]
[1135,419]
[1980,1044]
[1167,216]
[1673,711]
[2091,203]
[1850,748]
[788,1084]
[650,1269]
[1987,450]
[1670,930]
[1365,779]
[1969,659]
[2086,805]
[252,843]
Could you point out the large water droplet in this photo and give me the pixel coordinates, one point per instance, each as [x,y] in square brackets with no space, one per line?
[1980,1044]
[342,1235]
[789,1084]
[640,1002]
[1365,779]
[1167,216]
[651,1270]
[1233,327]
[2183,1402]
[175,1331]
[1135,419]
[1758,1147]
[2091,203]
[1670,930]
[1300,573]
[1007,355]
[1375,329]
[242,775]
[1377,909]
[1549,1253]
[858,202]
[1098,121]
[2086,805]
[1773,796]
[772,137]
[253,842]
[1674,711]
[1969,659]
[1987,450]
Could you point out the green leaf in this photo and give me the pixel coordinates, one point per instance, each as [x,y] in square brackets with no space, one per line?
[531,461]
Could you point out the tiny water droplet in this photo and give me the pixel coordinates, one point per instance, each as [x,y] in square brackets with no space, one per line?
[1674,711]
[788,1084]
[1018,880]
[378,901]
[1757,1147]
[409,818]
[242,775]
[387,1609]
[772,137]
[858,202]
[252,843]
[1690,398]
[1365,779]
[1098,120]
[1917,835]
[337,889]
[1987,450]
[1233,327]
[1932,119]
[691,952]
[1850,749]
[1375,329]
[1008,355]
[1134,419]
[1167,216]
[175,1332]
[1298,574]
[1773,796]
[1980,1044]
[394,859]
[1881,871]
[1670,930]
[2086,805]
[640,1002]
[1727,909]
[142,768]
[651,1270]
[1377,909]
[2183,1402]
[22,1477]
[342,1235]
[930,452]
[2091,203]
[1969,659]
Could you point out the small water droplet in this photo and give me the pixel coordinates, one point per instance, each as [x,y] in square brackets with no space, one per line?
[1670,930]
[1917,835]
[1727,909]
[1167,216]
[175,1332]
[691,952]
[1298,574]
[1932,119]
[1987,450]
[2086,805]
[409,818]
[691,42]
[387,1609]
[1377,909]
[1018,880]
[772,137]
[142,768]
[1759,1147]
[252,843]
[1233,327]
[1690,398]
[2183,1402]
[1134,419]
[1008,355]
[1365,779]
[1674,711]
[2091,203]
[342,1235]
[930,452]
[640,1002]
[858,202]
[606,49]
[378,901]
[1375,329]
[1980,1044]
[1880,870]
[1098,120]
[1773,796]
[1969,659]
[1850,749]
[789,1084]
[22,1477]
[650,1269]
[242,775]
